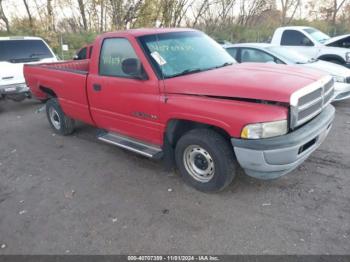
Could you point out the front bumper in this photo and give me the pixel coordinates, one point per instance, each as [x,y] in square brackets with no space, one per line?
[270,158]
[13,89]
[341,91]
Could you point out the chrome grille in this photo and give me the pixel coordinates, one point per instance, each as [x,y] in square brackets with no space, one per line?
[308,102]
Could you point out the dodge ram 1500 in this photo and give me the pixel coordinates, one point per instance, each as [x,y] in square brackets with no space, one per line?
[177,94]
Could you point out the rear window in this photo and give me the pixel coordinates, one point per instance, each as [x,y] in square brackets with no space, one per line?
[23,50]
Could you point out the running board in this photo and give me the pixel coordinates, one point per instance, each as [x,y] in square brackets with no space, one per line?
[131,144]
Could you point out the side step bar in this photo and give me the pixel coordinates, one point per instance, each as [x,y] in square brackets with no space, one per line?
[131,144]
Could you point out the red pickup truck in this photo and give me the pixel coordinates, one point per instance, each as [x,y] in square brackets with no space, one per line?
[176,94]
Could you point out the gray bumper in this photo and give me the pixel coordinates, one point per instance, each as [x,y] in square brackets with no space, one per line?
[341,91]
[273,157]
[14,89]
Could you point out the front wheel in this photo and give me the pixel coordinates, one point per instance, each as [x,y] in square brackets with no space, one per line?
[205,160]
[60,123]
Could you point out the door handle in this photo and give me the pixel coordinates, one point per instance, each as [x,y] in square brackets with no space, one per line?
[97,87]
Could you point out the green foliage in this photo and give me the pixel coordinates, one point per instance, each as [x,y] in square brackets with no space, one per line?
[258,32]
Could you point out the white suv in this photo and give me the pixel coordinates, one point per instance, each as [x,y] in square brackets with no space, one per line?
[14,53]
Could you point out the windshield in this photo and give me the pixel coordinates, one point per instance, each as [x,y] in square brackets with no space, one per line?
[180,53]
[317,35]
[290,55]
[17,51]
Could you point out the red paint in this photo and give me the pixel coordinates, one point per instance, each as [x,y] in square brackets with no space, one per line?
[114,107]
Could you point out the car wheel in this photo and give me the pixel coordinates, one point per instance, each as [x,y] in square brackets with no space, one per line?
[205,160]
[60,123]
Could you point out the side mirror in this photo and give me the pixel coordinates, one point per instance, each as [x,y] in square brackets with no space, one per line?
[133,68]
[75,57]
[271,62]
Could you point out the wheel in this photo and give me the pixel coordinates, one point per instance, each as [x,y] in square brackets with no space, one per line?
[205,160]
[60,123]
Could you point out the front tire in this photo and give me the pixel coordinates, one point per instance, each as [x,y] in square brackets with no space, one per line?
[60,123]
[205,160]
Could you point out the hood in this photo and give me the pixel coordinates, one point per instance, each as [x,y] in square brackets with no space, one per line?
[12,73]
[336,38]
[268,82]
[330,68]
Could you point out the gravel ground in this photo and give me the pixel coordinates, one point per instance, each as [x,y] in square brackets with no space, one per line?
[76,195]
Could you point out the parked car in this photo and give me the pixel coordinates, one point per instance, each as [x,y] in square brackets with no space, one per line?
[267,53]
[14,53]
[83,53]
[176,92]
[312,43]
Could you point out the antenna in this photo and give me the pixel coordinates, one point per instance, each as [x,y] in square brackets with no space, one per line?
[162,76]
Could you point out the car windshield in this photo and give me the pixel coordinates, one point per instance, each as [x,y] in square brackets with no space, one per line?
[16,51]
[317,35]
[181,53]
[290,55]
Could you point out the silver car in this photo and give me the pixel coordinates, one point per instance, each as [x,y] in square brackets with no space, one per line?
[267,53]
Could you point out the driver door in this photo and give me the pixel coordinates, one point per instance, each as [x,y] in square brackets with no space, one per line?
[120,103]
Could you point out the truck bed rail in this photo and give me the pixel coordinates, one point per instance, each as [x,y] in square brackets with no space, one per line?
[79,67]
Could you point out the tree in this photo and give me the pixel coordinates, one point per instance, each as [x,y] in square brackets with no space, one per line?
[252,9]
[3,17]
[51,24]
[30,18]
[288,5]
[82,13]
[337,5]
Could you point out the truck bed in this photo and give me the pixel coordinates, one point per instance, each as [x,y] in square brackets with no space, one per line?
[64,80]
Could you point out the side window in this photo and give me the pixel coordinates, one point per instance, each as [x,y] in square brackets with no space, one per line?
[114,51]
[82,54]
[295,38]
[255,56]
[232,51]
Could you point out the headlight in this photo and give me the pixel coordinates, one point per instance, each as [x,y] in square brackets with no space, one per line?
[347,57]
[265,130]
[339,79]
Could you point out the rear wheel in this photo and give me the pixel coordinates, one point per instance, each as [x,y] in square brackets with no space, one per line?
[60,123]
[205,160]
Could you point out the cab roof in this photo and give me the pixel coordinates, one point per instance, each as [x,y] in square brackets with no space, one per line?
[148,31]
[294,27]
[6,38]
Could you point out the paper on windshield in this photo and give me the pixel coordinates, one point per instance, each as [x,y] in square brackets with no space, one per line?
[159,59]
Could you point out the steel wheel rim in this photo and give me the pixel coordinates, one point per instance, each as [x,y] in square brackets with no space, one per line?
[55,118]
[199,163]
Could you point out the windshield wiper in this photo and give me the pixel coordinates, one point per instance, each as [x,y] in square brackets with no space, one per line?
[224,64]
[187,72]
[23,59]
[36,54]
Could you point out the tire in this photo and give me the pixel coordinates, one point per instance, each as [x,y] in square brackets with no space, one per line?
[59,122]
[205,160]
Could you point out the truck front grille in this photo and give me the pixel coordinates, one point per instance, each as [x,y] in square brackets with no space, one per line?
[310,101]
